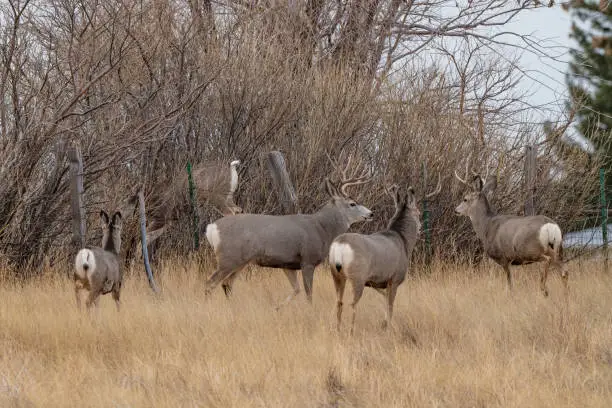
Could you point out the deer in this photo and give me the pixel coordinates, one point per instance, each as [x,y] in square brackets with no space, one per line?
[215,183]
[98,269]
[512,239]
[290,242]
[380,260]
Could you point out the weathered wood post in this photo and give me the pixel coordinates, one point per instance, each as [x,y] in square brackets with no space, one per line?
[282,182]
[76,204]
[530,179]
[143,240]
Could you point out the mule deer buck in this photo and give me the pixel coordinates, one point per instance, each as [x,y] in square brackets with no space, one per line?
[98,269]
[380,260]
[215,184]
[511,239]
[292,242]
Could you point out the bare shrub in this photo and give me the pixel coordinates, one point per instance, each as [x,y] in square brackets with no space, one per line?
[143,87]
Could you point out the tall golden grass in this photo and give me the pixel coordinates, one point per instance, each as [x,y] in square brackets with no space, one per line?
[458,339]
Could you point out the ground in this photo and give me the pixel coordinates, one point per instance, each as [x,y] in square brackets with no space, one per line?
[458,339]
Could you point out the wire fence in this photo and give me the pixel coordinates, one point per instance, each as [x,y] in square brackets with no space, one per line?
[527,182]
[592,240]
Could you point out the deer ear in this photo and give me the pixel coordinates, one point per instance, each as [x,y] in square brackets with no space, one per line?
[117,219]
[477,183]
[332,190]
[411,197]
[393,192]
[490,185]
[103,218]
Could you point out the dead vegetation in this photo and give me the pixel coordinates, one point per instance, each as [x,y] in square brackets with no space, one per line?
[458,339]
[143,87]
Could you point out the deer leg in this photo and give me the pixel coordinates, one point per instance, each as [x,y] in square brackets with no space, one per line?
[92,299]
[116,295]
[357,292]
[220,275]
[227,285]
[307,277]
[293,279]
[391,292]
[543,278]
[77,294]
[339,283]
[564,274]
[564,277]
[383,292]
[508,275]
[227,288]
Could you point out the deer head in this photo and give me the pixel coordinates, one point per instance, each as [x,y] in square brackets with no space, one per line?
[478,196]
[230,205]
[111,231]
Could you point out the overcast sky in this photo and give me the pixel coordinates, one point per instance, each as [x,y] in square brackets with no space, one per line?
[546,76]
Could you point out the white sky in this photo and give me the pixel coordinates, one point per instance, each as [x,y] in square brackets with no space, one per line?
[543,70]
[546,76]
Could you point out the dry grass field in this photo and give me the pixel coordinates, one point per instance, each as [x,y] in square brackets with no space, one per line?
[459,339]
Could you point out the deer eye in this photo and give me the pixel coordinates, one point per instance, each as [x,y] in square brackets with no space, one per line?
[465,200]
[353,204]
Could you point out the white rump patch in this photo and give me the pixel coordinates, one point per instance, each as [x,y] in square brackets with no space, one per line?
[85,263]
[550,234]
[233,176]
[341,253]
[213,236]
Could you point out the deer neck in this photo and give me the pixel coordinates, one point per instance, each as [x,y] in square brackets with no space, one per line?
[481,215]
[332,221]
[410,232]
[111,243]
[407,225]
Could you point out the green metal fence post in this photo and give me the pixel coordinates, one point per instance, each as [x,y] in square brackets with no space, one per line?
[194,209]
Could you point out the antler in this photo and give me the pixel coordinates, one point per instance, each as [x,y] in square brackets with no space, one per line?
[437,190]
[391,191]
[487,164]
[352,179]
[467,167]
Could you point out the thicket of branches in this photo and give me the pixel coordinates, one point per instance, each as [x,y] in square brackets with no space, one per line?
[143,86]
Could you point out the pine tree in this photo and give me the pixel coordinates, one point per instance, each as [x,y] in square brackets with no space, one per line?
[590,77]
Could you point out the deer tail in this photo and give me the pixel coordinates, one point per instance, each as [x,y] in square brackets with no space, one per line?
[340,256]
[85,263]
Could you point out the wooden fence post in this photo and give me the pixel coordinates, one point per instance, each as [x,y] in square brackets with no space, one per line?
[143,241]
[282,182]
[530,179]
[76,192]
